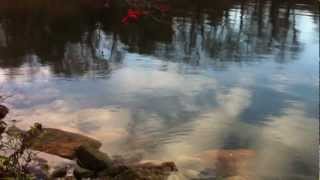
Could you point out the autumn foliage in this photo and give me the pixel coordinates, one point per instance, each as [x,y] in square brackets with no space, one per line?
[132,16]
[140,8]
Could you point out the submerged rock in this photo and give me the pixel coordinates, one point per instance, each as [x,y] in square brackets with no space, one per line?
[165,167]
[62,143]
[140,171]
[3,111]
[90,158]
[148,171]
[207,174]
[128,174]
[225,163]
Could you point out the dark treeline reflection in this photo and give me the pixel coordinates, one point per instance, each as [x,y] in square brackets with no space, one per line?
[76,36]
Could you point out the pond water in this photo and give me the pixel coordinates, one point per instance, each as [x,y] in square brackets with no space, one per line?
[213,77]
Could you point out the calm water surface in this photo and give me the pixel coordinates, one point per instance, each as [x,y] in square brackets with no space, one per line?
[211,77]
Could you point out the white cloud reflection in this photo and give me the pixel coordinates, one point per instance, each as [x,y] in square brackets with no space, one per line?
[286,138]
[145,126]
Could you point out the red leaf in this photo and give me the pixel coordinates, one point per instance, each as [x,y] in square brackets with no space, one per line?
[132,16]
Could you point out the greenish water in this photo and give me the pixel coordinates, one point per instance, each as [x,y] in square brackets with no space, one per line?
[213,76]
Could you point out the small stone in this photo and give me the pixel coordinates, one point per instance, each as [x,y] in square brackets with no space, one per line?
[3,111]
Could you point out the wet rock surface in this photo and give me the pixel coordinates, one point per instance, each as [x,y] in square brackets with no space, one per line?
[228,162]
[62,143]
[235,164]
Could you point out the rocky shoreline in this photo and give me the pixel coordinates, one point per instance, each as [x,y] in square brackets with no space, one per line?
[89,161]
[82,159]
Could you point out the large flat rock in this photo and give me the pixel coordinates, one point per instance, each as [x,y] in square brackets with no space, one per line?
[62,143]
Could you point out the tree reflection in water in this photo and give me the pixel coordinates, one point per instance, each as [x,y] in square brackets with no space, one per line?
[79,35]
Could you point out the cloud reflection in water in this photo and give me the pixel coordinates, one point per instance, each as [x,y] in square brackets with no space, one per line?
[192,141]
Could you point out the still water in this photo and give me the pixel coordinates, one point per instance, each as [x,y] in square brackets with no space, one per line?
[213,78]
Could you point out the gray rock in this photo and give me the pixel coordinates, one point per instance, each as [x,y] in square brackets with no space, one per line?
[92,158]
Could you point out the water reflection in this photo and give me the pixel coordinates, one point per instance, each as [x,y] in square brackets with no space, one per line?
[196,140]
[243,31]
[222,88]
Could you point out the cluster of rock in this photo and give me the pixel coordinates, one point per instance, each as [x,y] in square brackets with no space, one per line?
[90,163]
